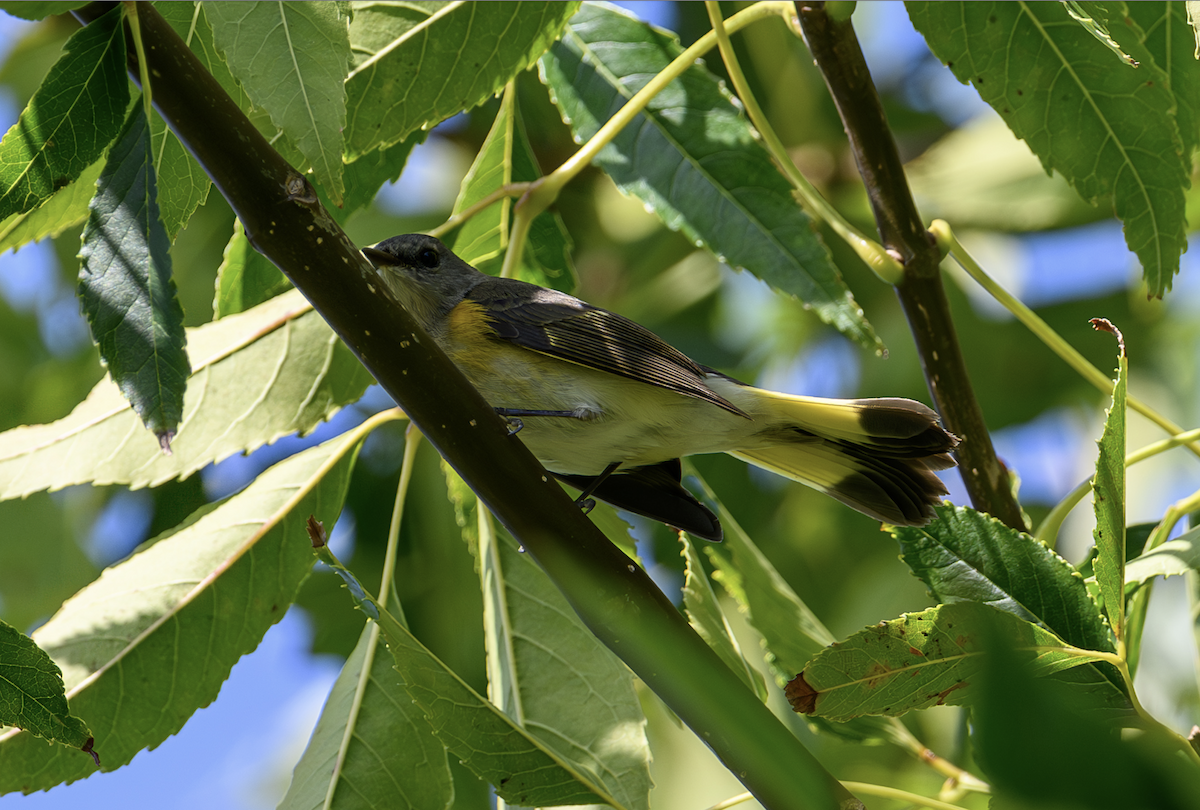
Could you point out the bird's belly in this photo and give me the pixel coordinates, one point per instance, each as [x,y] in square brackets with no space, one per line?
[620,420]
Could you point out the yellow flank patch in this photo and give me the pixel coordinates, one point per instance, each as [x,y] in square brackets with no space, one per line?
[470,341]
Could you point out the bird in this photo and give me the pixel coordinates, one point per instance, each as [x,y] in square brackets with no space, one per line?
[610,408]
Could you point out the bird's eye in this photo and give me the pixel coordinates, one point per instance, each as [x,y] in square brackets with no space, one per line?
[428,257]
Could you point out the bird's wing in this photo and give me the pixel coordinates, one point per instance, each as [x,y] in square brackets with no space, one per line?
[562,326]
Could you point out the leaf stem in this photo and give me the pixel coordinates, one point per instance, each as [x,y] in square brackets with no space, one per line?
[507,190]
[882,263]
[945,236]
[129,9]
[884,792]
[412,441]
[545,190]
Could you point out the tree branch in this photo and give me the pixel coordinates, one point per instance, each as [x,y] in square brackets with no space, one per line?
[835,49]
[615,598]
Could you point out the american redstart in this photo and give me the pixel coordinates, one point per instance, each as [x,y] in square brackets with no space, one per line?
[610,408]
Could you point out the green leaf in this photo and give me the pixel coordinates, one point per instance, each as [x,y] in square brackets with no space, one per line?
[259,376]
[965,555]
[1193,19]
[126,287]
[246,278]
[71,119]
[708,619]
[1172,558]
[365,176]
[1164,31]
[292,60]
[521,769]
[1109,129]
[1097,26]
[66,208]
[554,678]
[694,159]
[32,696]
[27,10]
[507,157]
[153,639]
[919,660]
[372,747]
[418,64]
[1108,496]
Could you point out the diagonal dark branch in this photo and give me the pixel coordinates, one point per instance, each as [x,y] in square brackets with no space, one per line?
[835,49]
[615,598]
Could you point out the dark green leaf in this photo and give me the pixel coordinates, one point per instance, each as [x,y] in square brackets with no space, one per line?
[32,696]
[969,556]
[1108,128]
[693,158]
[70,120]
[126,287]
[418,64]
[1164,30]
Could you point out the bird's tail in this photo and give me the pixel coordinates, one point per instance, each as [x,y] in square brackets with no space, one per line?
[875,455]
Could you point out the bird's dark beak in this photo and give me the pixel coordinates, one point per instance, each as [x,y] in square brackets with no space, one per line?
[378,257]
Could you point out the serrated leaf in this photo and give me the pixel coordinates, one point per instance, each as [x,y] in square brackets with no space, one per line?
[126,287]
[919,660]
[1164,31]
[246,278]
[365,176]
[372,748]
[554,678]
[152,640]
[32,696]
[259,376]
[409,68]
[520,768]
[1108,498]
[708,619]
[1108,129]
[507,157]
[965,555]
[292,60]
[1171,558]
[71,119]
[694,160]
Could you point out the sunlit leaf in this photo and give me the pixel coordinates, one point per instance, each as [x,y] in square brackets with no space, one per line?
[246,278]
[1108,496]
[1171,558]
[258,376]
[153,639]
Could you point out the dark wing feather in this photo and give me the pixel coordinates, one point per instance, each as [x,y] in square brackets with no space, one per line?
[562,326]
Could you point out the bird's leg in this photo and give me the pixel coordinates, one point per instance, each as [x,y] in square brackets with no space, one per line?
[514,424]
[585,501]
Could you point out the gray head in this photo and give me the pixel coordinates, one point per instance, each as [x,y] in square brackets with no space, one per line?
[424,275]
